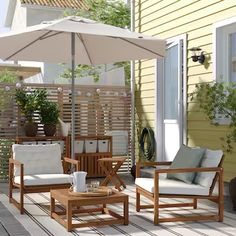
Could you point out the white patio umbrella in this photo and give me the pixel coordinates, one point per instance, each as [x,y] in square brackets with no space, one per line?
[79,41]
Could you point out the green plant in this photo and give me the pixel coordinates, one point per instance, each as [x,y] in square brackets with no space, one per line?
[49,112]
[30,101]
[83,71]
[218,99]
[112,12]
[7,77]
[6,94]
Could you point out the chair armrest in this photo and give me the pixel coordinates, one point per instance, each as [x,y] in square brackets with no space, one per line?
[196,169]
[73,162]
[12,163]
[152,163]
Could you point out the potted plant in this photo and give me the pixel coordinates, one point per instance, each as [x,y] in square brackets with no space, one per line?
[218,101]
[29,103]
[49,114]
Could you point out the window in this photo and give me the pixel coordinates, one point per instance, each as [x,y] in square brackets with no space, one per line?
[171,83]
[225,51]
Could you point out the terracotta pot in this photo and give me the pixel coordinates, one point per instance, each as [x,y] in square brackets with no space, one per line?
[232,192]
[49,129]
[31,129]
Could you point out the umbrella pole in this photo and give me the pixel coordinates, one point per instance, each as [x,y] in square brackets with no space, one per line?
[72,94]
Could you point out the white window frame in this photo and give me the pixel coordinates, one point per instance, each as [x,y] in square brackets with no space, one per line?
[222,29]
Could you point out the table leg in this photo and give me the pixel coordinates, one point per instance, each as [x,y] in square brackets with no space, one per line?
[69,217]
[126,211]
[109,175]
[116,168]
[112,174]
[120,180]
[104,206]
[52,206]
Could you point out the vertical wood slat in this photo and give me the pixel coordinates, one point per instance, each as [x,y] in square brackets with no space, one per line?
[98,109]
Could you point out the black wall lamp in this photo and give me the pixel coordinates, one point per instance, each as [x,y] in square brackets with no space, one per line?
[197,55]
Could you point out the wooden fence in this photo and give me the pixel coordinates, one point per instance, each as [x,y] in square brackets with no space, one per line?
[98,109]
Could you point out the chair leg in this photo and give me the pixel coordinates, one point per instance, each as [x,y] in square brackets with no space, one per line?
[21,201]
[195,203]
[156,211]
[10,191]
[221,197]
[10,182]
[221,211]
[137,201]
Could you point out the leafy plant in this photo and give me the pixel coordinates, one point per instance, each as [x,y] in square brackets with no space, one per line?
[7,77]
[112,12]
[49,112]
[30,101]
[6,93]
[218,100]
[84,70]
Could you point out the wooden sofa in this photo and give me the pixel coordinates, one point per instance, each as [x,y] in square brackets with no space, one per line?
[37,168]
[207,175]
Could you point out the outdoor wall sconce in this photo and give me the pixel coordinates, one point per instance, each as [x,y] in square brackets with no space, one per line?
[197,55]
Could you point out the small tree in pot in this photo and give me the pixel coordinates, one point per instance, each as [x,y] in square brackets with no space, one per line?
[49,114]
[29,103]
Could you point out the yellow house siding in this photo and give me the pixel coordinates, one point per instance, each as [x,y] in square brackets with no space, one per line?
[168,19]
[176,12]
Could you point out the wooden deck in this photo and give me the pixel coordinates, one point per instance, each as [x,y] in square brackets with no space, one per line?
[9,225]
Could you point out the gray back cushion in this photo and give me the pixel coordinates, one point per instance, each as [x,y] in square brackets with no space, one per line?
[211,158]
[186,157]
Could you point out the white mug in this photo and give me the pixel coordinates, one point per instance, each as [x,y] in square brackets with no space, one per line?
[79,181]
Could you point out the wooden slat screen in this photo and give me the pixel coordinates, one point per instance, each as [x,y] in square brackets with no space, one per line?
[98,109]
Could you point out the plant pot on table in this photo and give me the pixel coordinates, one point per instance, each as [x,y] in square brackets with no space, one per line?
[31,129]
[50,129]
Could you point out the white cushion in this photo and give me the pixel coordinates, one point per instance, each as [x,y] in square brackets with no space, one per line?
[211,158]
[170,186]
[45,179]
[38,159]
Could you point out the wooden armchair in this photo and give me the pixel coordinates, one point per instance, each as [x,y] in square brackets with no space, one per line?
[37,168]
[209,172]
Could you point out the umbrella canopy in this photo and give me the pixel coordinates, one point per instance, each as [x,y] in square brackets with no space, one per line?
[95,43]
[79,41]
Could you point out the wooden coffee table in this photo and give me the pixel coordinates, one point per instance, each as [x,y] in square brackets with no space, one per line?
[77,204]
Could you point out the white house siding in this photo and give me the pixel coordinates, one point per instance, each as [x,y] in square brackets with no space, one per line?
[19,19]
